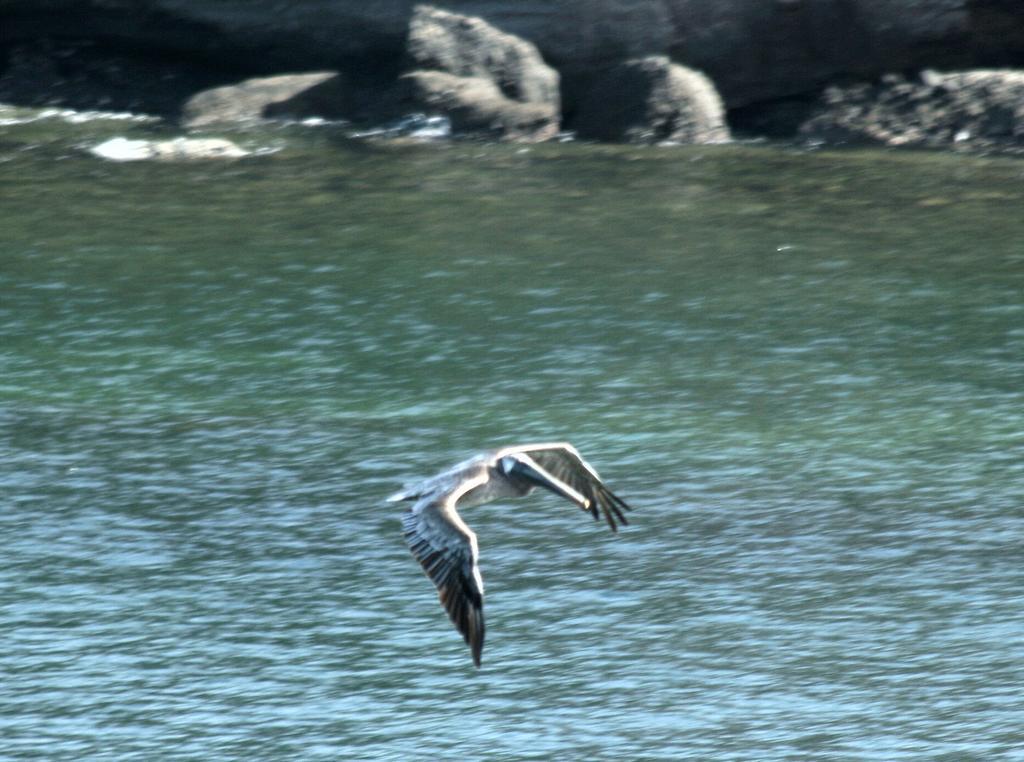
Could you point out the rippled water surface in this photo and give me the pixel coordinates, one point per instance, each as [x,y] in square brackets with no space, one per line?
[805,371]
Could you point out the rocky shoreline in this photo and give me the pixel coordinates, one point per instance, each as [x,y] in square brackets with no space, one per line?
[932,73]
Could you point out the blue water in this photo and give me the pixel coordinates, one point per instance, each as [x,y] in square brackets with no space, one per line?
[804,370]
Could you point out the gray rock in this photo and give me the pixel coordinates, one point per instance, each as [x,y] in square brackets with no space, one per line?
[482,79]
[477,105]
[649,100]
[287,95]
[981,108]
[469,47]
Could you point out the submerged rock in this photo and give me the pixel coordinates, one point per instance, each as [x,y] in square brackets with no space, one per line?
[649,100]
[178,149]
[483,80]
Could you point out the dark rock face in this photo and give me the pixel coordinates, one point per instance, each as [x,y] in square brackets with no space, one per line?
[979,108]
[482,79]
[85,75]
[759,51]
[650,100]
[754,50]
[768,59]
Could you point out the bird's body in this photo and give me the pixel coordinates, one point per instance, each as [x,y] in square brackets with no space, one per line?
[447,548]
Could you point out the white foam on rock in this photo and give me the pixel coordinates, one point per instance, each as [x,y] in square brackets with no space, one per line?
[178,149]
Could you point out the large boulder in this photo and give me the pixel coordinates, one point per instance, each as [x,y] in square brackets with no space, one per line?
[649,100]
[477,106]
[970,108]
[483,80]
[287,95]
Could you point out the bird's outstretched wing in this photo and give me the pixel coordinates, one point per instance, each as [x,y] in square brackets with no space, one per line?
[447,550]
[563,462]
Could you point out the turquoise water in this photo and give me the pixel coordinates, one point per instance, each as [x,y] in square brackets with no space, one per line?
[804,370]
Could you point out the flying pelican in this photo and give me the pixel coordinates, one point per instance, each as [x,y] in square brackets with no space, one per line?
[447,548]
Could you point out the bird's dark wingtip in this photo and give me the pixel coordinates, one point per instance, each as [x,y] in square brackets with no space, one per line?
[477,649]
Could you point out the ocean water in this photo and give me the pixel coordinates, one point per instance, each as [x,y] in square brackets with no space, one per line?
[805,371]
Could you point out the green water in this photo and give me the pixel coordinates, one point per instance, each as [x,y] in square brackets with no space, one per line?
[804,370]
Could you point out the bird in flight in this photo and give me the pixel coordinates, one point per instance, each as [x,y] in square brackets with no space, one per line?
[447,548]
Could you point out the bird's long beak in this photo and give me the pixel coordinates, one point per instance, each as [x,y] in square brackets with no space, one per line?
[530,470]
